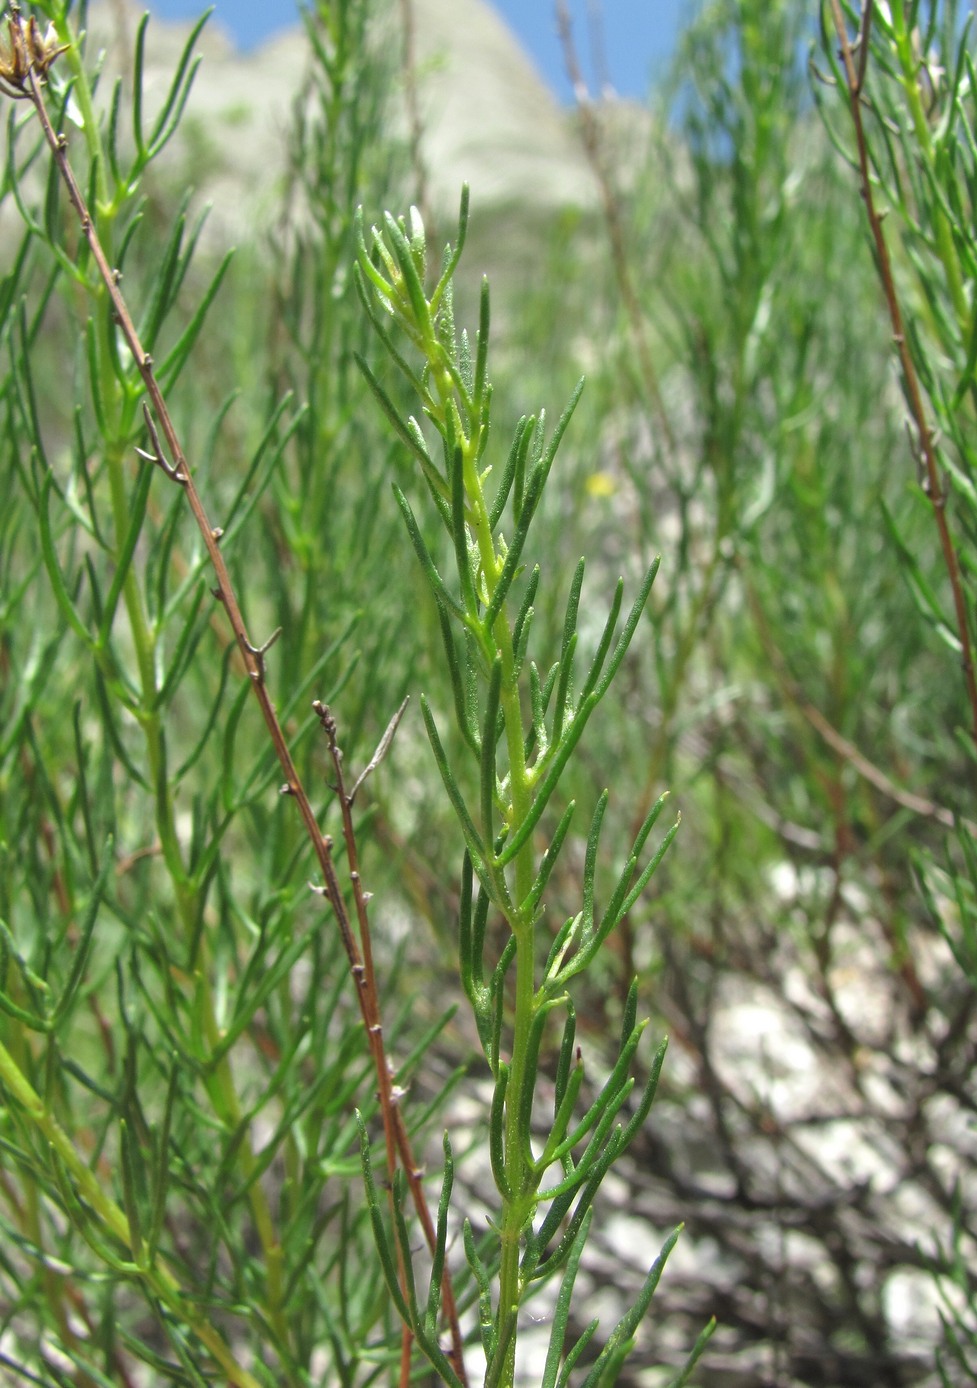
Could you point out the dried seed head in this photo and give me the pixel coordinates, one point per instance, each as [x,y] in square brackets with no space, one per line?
[14,62]
[25,50]
[43,51]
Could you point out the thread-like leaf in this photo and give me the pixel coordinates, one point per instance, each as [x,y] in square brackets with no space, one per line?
[484,1007]
[161,1167]
[623,900]
[486,1320]
[515,462]
[137,515]
[130,1162]
[384,1250]
[497,1132]
[611,1357]
[170,113]
[138,77]
[560,757]
[86,933]
[481,355]
[561,1311]
[58,586]
[638,1118]
[441,1242]
[472,837]
[491,729]
[549,861]
[703,1338]
[523,623]
[511,565]
[464,711]
[459,534]
[561,1120]
[426,561]
[566,1055]
[411,438]
[581,1186]
[454,255]
[527,1098]
[410,276]
[176,358]
[608,1102]
[165,280]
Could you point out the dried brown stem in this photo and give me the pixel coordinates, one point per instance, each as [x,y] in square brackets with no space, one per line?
[398,1135]
[925,437]
[177,469]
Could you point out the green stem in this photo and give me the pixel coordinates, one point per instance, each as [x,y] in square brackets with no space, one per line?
[29,1216]
[517,1206]
[519,1202]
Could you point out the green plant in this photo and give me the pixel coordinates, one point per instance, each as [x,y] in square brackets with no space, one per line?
[178,1053]
[909,76]
[181,1051]
[917,153]
[802,711]
[518,727]
[177,1047]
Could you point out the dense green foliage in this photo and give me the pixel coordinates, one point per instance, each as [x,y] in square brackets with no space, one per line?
[207,1169]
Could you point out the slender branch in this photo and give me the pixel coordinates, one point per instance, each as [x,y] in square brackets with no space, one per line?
[933,483]
[907,799]
[396,1136]
[176,468]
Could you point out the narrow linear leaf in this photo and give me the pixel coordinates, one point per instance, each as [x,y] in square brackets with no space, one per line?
[491,729]
[426,561]
[486,1320]
[85,935]
[176,358]
[454,256]
[472,837]
[137,515]
[497,1131]
[549,783]
[168,117]
[561,1312]
[623,1333]
[549,861]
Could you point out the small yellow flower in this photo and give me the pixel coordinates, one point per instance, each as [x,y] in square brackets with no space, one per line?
[600,484]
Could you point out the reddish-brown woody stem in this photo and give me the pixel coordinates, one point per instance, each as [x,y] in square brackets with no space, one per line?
[926,450]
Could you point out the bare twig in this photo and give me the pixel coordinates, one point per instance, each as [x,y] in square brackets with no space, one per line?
[399,1135]
[176,468]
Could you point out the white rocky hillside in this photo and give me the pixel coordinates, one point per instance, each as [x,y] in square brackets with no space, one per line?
[488,116]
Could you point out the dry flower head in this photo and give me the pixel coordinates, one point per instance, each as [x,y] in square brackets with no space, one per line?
[24,51]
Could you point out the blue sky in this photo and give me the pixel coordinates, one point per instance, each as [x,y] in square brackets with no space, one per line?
[637,34]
